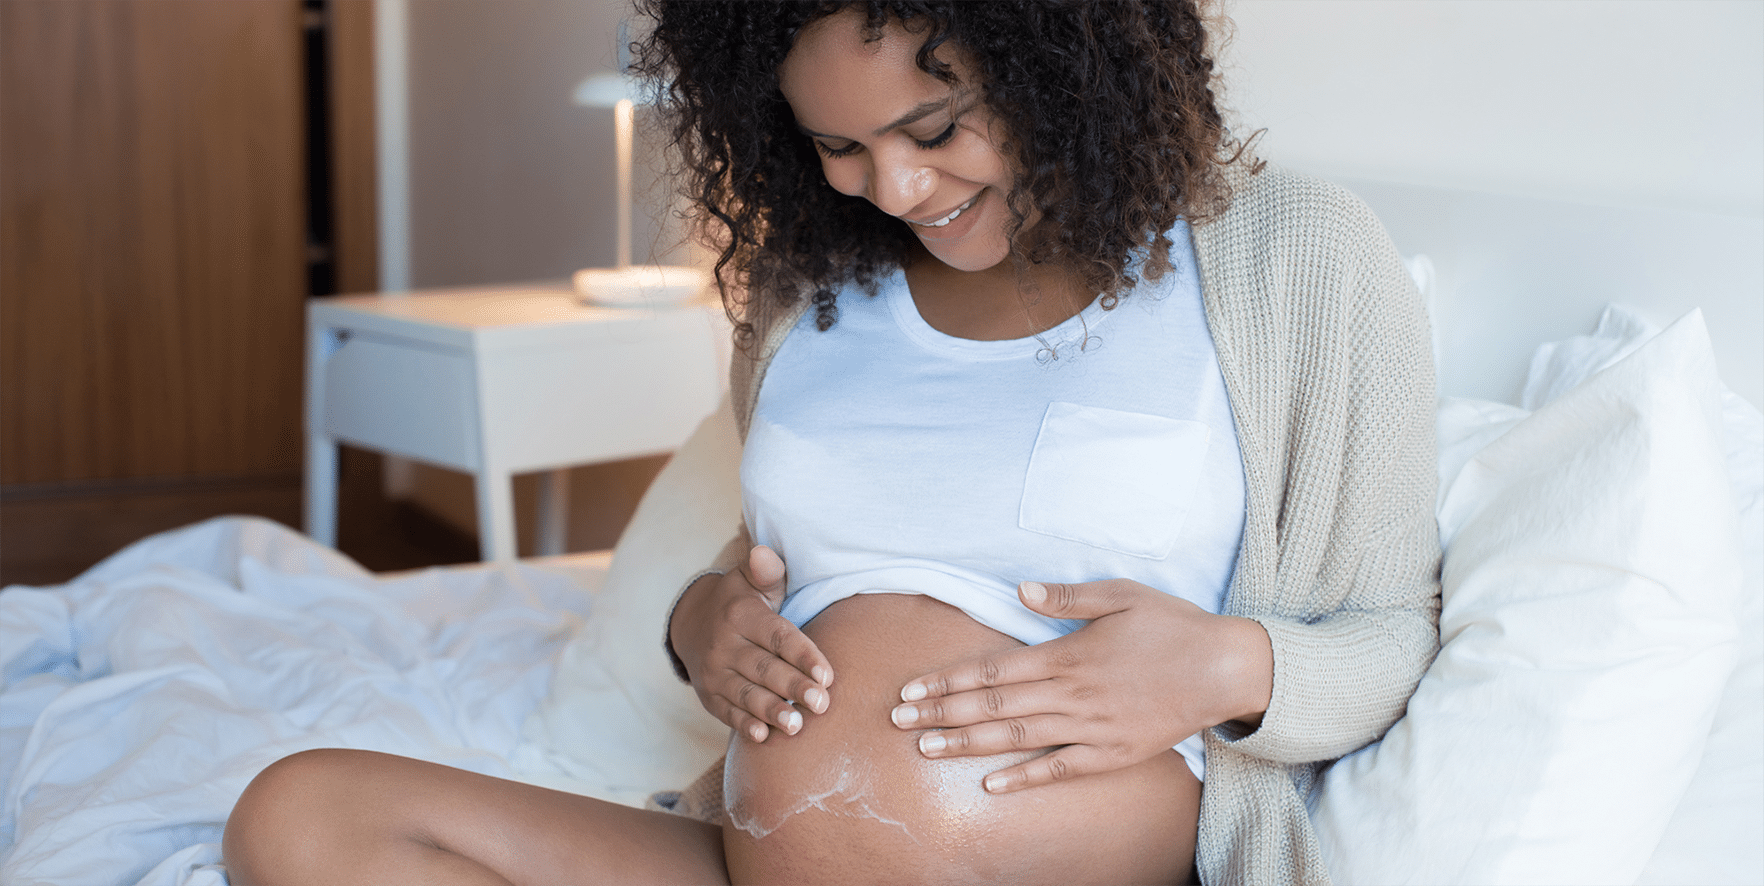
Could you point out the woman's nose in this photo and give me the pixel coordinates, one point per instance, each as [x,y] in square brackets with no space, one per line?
[898,187]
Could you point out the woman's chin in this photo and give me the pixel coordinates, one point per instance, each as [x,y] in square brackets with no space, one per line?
[968,258]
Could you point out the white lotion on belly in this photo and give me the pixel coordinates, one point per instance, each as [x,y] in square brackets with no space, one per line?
[849,796]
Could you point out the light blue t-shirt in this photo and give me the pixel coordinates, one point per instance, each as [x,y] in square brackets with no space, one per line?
[887,457]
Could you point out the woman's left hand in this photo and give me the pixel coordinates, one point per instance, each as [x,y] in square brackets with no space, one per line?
[1148,670]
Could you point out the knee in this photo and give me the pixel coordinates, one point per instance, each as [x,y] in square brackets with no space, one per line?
[287,815]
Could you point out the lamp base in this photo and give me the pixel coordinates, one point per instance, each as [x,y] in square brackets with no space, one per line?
[640,285]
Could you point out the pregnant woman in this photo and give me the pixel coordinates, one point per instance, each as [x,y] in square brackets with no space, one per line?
[1088,482]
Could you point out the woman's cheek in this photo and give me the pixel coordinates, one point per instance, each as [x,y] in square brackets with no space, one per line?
[980,160]
[845,175]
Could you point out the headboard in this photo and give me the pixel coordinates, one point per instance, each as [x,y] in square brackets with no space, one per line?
[1514,271]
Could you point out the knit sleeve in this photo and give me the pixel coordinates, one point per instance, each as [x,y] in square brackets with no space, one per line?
[1351,602]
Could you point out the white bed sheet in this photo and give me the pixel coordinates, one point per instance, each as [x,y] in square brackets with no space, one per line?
[140,699]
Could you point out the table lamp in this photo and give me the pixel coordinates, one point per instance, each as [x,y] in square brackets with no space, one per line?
[625,284]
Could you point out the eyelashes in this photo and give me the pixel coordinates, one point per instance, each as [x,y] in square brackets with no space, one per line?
[833,153]
[937,141]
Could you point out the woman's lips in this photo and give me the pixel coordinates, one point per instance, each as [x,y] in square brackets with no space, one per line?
[938,223]
[957,223]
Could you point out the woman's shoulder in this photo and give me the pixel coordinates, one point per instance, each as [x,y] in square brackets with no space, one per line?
[770,322]
[1281,218]
[1270,198]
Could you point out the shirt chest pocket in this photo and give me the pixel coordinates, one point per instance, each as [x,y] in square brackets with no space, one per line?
[1120,481]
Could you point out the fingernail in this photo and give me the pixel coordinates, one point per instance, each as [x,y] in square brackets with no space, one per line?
[905,715]
[1033,592]
[996,784]
[912,692]
[931,743]
[758,732]
[792,723]
[815,699]
[822,675]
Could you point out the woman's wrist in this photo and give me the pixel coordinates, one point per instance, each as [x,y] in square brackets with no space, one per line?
[1248,663]
[684,614]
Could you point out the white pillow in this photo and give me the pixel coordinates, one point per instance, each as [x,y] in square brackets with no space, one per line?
[617,720]
[1591,583]
[1463,427]
[1717,833]
[1558,366]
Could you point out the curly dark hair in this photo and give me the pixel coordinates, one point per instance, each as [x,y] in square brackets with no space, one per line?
[1108,107]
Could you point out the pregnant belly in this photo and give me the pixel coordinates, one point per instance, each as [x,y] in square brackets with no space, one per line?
[851,799]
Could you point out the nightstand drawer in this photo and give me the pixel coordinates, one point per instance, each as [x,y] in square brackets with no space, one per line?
[396,397]
[499,381]
[621,391]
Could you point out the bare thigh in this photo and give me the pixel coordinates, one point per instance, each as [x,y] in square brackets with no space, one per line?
[851,799]
[341,816]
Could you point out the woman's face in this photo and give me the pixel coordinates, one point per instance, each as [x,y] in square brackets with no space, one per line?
[921,150]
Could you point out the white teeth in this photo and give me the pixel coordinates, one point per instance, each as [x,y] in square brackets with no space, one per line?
[948,218]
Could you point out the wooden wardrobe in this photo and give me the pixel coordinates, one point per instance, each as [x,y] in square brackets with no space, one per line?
[157,245]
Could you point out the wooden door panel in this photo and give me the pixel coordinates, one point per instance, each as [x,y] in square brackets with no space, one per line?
[354,161]
[152,224]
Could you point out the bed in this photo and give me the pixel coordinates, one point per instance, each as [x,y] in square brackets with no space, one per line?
[1596,715]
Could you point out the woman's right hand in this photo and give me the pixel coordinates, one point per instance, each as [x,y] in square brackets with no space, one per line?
[746,661]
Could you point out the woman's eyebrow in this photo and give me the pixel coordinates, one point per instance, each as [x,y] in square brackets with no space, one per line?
[919,112]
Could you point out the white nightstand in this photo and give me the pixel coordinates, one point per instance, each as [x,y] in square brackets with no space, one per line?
[501,381]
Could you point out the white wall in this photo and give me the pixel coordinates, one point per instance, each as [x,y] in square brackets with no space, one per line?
[1654,107]
[508,179]
[1654,102]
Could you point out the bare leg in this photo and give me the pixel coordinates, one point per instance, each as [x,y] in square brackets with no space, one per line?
[341,816]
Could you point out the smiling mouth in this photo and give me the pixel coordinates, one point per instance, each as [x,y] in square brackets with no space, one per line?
[948,218]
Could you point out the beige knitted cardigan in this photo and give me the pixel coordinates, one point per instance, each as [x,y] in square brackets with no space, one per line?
[1324,346]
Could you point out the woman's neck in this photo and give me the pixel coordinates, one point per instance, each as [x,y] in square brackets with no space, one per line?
[997,304]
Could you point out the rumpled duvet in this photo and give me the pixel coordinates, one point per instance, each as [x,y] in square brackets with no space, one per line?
[137,701]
